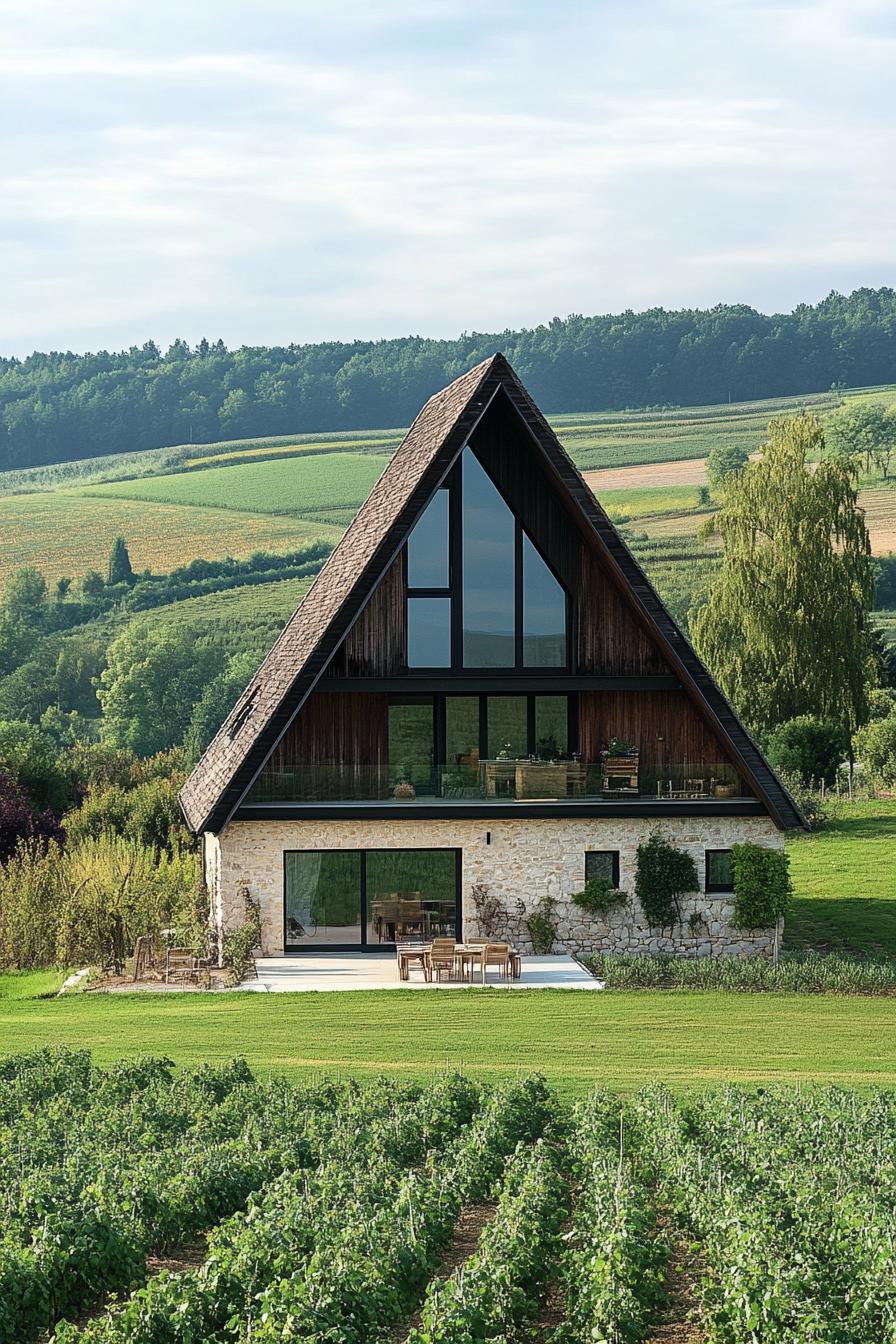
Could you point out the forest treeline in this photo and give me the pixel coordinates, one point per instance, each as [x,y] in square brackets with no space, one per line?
[57,407]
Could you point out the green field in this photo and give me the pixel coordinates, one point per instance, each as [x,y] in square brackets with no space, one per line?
[845,882]
[302,486]
[67,533]
[577,1039]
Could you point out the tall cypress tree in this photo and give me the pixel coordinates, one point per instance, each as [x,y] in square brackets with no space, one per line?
[786,628]
[120,570]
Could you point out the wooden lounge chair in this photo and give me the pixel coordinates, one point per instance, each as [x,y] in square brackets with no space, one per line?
[441,958]
[497,955]
[180,965]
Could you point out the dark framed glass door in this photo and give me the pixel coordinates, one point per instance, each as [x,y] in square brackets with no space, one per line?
[350,899]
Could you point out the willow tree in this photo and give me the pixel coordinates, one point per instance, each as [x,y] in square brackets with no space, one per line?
[786,627]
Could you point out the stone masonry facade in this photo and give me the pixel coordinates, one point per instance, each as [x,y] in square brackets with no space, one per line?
[520,862]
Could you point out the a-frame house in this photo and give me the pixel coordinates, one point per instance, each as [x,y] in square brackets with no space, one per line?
[480,690]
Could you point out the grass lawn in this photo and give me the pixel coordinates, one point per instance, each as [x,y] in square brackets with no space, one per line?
[577,1039]
[844,880]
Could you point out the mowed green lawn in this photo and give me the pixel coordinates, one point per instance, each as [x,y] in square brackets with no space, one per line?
[845,896]
[577,1038]
[844,879]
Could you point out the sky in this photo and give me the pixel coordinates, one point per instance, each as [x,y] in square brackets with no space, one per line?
[269,171]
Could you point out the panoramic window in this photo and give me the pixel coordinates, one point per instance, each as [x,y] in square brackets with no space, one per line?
[429,632]
[411,744]
[508,726]
[489,532]
[719,870]
[322,897]
[551,727]
[469,554]
[602,863]
[428,563]
[544,612]
[410,893]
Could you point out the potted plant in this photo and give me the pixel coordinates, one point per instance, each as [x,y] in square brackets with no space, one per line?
[404,791]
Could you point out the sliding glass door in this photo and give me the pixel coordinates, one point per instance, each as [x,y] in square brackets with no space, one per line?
[369,898]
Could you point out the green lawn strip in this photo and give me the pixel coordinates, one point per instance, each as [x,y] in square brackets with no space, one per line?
[844,879]
[18,985]
[578,1039]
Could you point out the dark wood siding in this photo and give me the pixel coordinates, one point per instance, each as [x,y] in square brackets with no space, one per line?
[376,645]
[663,725]
[610,637]
[346,729]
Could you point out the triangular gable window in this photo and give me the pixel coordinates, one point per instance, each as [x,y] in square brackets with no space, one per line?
[480,594]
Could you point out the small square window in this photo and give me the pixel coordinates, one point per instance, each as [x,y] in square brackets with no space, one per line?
[602,863]
[719,870]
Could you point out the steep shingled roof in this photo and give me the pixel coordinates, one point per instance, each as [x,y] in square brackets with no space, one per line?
[341,589]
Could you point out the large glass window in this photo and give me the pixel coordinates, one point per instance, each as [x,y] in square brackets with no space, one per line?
[411,744]
[544,612]
[508,726]
[428,546]
[322,897]
[489,540]
[429,632]
[551,727]
[411,893]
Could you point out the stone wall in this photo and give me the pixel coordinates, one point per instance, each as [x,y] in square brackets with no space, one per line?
[519,862]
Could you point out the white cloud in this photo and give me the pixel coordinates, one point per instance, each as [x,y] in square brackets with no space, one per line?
[273,176]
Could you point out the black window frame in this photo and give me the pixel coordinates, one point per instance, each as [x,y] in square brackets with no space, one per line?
[362,945]
[614,859]
[453,483]
[720,887]
[440,734]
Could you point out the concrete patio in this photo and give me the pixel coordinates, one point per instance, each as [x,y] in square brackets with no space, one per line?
[371,970]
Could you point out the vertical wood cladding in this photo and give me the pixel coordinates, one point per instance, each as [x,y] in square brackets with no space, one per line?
[346,729]
[663,725]
[377,644]
[610,638]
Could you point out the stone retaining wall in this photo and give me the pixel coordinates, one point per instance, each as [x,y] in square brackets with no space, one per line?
[519,862]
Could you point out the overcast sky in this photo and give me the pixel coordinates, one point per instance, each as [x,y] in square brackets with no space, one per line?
[286,170]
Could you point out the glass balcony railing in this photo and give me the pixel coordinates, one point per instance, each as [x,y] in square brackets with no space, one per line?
[501,780]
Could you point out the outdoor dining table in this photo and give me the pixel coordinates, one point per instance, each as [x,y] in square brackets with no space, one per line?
[465,955]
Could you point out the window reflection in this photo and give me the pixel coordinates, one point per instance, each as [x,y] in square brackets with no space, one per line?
[488,569]
[544,612]
[428,546]
[411,744]
[429,632]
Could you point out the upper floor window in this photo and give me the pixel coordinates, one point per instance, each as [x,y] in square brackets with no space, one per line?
[480,593]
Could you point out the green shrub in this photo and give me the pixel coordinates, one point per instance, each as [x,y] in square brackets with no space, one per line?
[598,896]
[808,748]
[795,973]
[762,886]
[663,875]
[876,749]
[542,926]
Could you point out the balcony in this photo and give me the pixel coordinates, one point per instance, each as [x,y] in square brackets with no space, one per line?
[503,784]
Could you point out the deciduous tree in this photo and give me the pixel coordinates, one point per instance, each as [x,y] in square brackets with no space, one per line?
[786,626]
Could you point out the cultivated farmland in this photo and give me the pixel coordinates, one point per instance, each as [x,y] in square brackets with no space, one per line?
[437,1213]
[66,533]
[302,486]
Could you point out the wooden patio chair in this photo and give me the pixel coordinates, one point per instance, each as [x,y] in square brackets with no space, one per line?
[180,965]
[441,958]
[497,954]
